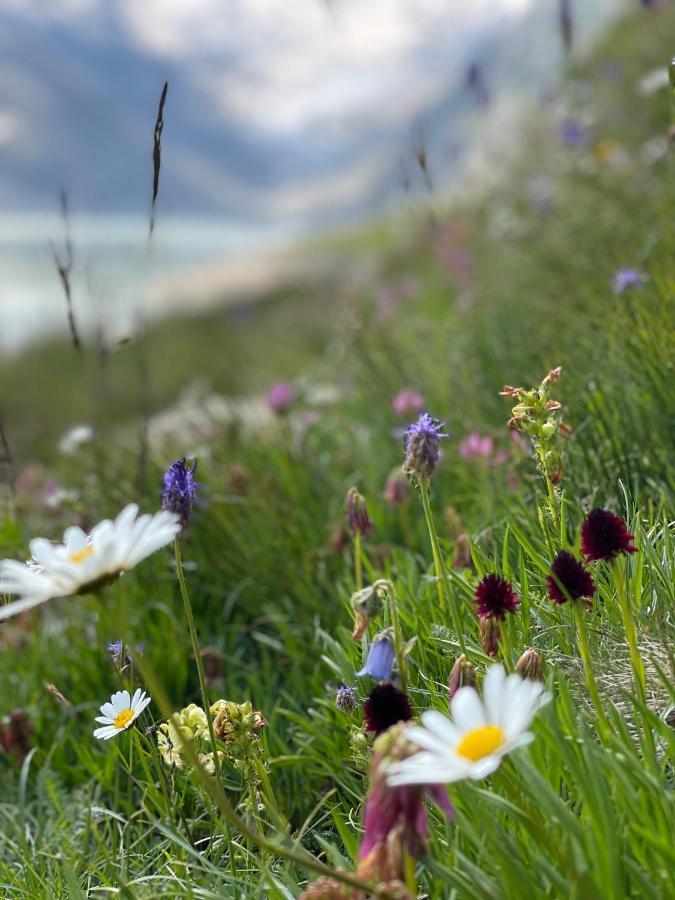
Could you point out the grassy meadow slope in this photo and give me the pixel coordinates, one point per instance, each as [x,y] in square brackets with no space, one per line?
[499,290]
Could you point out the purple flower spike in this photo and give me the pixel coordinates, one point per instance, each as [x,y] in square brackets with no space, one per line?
[345,698]
[627,279]
[423,447]
[380,662]
[179,490]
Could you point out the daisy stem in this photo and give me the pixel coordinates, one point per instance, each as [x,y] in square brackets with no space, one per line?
[398,640]
[442,583]
[358,568]
[584,652]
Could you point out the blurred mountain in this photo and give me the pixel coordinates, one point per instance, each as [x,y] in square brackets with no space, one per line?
[79,92]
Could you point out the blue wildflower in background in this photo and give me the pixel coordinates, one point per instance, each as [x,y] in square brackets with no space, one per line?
[179,490]
[423,447]
[380,662]
[627,279]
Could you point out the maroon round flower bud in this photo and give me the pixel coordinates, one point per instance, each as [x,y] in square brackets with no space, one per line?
[604,536]
[569,579]
[494,597]
[357,513]
[385,706]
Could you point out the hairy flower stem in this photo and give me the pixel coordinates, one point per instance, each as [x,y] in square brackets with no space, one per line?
[442,583]
[196,651]
[358,567]
[584,652]
[398,640]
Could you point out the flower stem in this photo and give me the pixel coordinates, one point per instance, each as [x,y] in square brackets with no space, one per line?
[398,640]
[584,652]
[196,651]
[630,629]
[442,583]
[358,568]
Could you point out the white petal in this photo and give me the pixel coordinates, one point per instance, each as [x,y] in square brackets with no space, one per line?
[105,733]
[121,701]
[484,767]
[143,704]
[441,727]
[74,539]
[42,551]
[19,606]
[427,740]
[134,700]
[493,688]
[467,710]
[109,710]
[104,720]
[423,768]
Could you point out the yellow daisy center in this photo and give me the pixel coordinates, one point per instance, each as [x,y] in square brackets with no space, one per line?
[82,554]
[480,742]
[122,719]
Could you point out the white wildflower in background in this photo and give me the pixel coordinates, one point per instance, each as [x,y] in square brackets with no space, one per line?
[72,440]
[84,562]
[480,733]
[120,713]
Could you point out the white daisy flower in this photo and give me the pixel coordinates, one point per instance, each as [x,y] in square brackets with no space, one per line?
[84,562]
[480,733]
[120,712]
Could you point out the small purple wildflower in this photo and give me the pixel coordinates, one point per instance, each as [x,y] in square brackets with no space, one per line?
[423,447]
[179,490]
[280,397]
[345,698]
[380,661]
[119,658]
[572,134]
[627,279]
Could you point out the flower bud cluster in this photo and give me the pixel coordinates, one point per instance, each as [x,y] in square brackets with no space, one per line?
[236,726]
[538,415]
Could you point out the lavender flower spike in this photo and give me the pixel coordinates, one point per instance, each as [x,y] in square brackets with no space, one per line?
[179,490]
[422,447]
[380,662]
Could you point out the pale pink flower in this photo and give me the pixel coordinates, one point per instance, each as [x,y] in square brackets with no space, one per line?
[407,402]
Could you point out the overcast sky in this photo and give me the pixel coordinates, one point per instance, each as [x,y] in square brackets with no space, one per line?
[276,107]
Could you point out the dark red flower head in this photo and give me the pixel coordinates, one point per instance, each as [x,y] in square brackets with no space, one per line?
[604,536]
[384,707]
[494,597]
[568,573]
